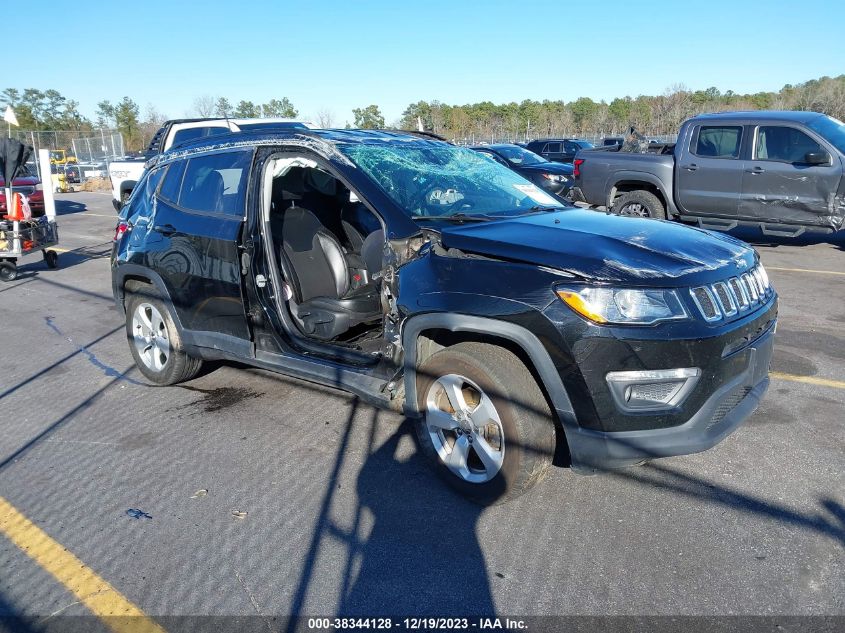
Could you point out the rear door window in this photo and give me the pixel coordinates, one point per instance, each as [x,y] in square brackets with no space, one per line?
[552,148]
[216,183]
[721,141]
[786,144]
[172,182]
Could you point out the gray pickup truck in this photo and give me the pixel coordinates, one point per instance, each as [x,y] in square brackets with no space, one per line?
[781,171]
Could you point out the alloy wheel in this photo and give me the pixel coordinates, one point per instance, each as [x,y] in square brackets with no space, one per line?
[465,428]
[635,209]
[149,333]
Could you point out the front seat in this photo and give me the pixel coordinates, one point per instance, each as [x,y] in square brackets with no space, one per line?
[326,303]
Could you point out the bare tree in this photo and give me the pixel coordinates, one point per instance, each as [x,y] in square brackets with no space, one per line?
[325,118]
[205,105]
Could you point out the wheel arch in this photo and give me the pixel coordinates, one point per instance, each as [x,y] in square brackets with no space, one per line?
[638,181]
[127,186]
[130,278]
[424,335]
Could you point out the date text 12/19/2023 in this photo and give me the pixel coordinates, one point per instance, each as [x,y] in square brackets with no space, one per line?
[416,624]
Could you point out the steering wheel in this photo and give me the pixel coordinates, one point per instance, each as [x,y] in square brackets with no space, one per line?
[429,202]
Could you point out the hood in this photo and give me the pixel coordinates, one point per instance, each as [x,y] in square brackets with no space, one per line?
[601,247]
[564,169]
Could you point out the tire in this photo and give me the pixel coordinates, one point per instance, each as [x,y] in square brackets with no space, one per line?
[51,258]
[642,204]
[501,405]
[8,271]
[155,342]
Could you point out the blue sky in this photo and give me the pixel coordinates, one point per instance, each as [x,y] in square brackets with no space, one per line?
[338,55]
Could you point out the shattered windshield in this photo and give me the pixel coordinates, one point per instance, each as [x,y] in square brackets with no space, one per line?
[439,180]
[832,129]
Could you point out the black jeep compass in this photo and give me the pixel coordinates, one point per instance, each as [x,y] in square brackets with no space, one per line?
[428,279]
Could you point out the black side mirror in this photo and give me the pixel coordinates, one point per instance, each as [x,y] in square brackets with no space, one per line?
[817,158]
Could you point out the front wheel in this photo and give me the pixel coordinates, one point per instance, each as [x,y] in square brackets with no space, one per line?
[486,425]
[641,204]
[155,343]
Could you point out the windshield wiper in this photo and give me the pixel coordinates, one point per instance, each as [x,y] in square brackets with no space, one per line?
[540,207]
[455,217]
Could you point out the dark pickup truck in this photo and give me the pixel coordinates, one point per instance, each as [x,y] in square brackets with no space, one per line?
[781,171]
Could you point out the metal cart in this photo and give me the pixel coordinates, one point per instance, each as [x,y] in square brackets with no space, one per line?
[20,236]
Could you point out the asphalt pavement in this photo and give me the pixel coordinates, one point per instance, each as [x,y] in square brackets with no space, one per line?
[261,495]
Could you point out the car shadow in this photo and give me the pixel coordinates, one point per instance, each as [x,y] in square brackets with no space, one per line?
[33,265]
[412,547]
[67,207]
[422,556]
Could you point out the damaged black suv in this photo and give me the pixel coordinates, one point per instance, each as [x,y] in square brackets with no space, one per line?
[429,279]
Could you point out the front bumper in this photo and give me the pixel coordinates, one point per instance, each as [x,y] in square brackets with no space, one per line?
[718,417]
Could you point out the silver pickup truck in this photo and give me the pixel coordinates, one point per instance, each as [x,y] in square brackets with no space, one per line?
[781,171]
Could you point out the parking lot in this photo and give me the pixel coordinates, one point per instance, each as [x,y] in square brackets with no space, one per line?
[247,493]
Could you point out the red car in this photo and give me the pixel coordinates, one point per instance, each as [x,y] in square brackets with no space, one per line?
[30,187]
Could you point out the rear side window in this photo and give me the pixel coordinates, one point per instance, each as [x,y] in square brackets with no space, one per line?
[718,141]
[216,183]
[172,182]
[570,148]
[552,148]
[786,144]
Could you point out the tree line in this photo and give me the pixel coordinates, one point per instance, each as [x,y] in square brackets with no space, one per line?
[652,115]
[49,110]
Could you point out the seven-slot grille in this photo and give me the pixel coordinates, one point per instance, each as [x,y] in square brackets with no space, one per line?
[725,299]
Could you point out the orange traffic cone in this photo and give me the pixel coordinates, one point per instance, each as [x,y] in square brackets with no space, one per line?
[16,210]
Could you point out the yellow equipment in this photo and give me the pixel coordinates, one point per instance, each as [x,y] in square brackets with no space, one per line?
[61,157]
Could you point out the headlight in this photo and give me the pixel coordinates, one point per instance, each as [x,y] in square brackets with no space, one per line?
[628,306]
[764,276]
[39,187]
[554,177]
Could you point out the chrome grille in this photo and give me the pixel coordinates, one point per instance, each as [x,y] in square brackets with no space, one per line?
[726,302]
[739,293]
[703,298]
[725,299]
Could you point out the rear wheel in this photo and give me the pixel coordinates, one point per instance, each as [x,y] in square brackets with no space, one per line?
[641,204]
[155,343]
[486,425]
[51,258]
[8,271]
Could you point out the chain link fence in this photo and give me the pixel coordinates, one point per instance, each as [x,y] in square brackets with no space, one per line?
[88,147]
[92,150]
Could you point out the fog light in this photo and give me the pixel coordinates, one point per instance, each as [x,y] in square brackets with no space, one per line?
[651,390]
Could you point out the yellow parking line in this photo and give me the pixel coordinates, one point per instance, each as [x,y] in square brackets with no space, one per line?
[99,596]
[810,380]
[806,270]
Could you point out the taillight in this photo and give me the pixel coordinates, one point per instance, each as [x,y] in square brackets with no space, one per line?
[577,167]
[120,230]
